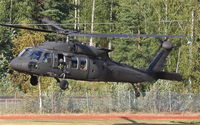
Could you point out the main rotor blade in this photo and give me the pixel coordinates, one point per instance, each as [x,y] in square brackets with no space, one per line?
[33,29]
[98,35]
[124,35]
[53,24]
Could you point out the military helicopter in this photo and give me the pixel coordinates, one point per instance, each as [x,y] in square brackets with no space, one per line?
[79,61]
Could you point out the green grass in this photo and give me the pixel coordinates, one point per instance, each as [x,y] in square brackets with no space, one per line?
[98,122]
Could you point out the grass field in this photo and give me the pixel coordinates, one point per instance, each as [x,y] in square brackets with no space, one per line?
[98,122]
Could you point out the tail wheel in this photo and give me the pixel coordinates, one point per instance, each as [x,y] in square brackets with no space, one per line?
[64,84]
[34,80]
[136,88]
[137,93]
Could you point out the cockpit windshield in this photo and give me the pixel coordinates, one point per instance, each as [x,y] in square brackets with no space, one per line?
[31,53]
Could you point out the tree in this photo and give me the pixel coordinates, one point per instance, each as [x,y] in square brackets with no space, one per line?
[25,39]
[5,48]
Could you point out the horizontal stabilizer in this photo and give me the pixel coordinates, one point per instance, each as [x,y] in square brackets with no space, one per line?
[169,76]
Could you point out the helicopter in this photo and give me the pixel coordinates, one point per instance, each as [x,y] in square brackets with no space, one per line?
[79,61]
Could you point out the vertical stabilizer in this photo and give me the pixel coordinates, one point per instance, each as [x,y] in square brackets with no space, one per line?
[159,61]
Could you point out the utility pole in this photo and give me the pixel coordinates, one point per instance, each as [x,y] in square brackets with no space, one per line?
[166,13]
[178,61]
[75,15]
[190,43]
[40,96]
[11,6]
[78,14]
[92,21]
[111,18]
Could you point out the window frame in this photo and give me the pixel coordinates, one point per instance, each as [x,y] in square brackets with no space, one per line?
[77,63]
[85,68]
[47,58]
[34,54]
[31,53]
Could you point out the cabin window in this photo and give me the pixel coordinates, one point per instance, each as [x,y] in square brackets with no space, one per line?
[74,62]
[83,63]
[61,61]
[60,58]
[47,58]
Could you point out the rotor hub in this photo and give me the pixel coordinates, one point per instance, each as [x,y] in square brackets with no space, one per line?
[167,45]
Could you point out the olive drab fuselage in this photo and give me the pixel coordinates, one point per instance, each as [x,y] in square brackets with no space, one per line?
[75,61]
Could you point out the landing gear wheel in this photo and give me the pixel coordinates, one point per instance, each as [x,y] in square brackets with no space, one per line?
[64,84]
[137,94]
[34,80]
[136,88]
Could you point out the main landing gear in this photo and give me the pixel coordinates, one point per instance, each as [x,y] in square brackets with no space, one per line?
[64,84]
[34,80]
[136,87]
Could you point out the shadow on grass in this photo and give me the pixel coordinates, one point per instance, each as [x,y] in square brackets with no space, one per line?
[171,122]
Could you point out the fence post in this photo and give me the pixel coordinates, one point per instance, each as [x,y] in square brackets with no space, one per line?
[118,99]
[170,101]
[40,96]
[15,102]
[24,105]
[155,100]
[52,102]
[110,100]
[6,104]
[129,99]
[134,100]
[87,102]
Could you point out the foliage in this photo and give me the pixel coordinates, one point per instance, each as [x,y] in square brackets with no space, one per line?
[25,39]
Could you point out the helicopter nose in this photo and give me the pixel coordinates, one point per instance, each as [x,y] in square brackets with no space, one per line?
[19,64]
[13,64]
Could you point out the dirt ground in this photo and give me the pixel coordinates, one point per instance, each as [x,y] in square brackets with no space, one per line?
[98,122]
[101,119]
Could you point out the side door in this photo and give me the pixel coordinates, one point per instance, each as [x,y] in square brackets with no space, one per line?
[45,64]
[61,65]
[58,65]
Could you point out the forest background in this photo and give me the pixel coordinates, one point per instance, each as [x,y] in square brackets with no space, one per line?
[179,17]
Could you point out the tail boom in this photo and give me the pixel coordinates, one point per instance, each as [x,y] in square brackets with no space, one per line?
[168,76]
[157,65]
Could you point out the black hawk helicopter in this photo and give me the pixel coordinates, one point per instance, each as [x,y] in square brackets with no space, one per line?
[72,60]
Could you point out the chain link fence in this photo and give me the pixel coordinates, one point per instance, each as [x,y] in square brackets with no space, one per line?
[105,102]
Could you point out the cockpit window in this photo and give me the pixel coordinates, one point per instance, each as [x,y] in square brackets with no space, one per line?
[27,53]
[33,54]
[36,55]
[46,57]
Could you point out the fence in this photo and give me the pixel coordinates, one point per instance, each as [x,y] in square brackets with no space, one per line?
[60,102]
